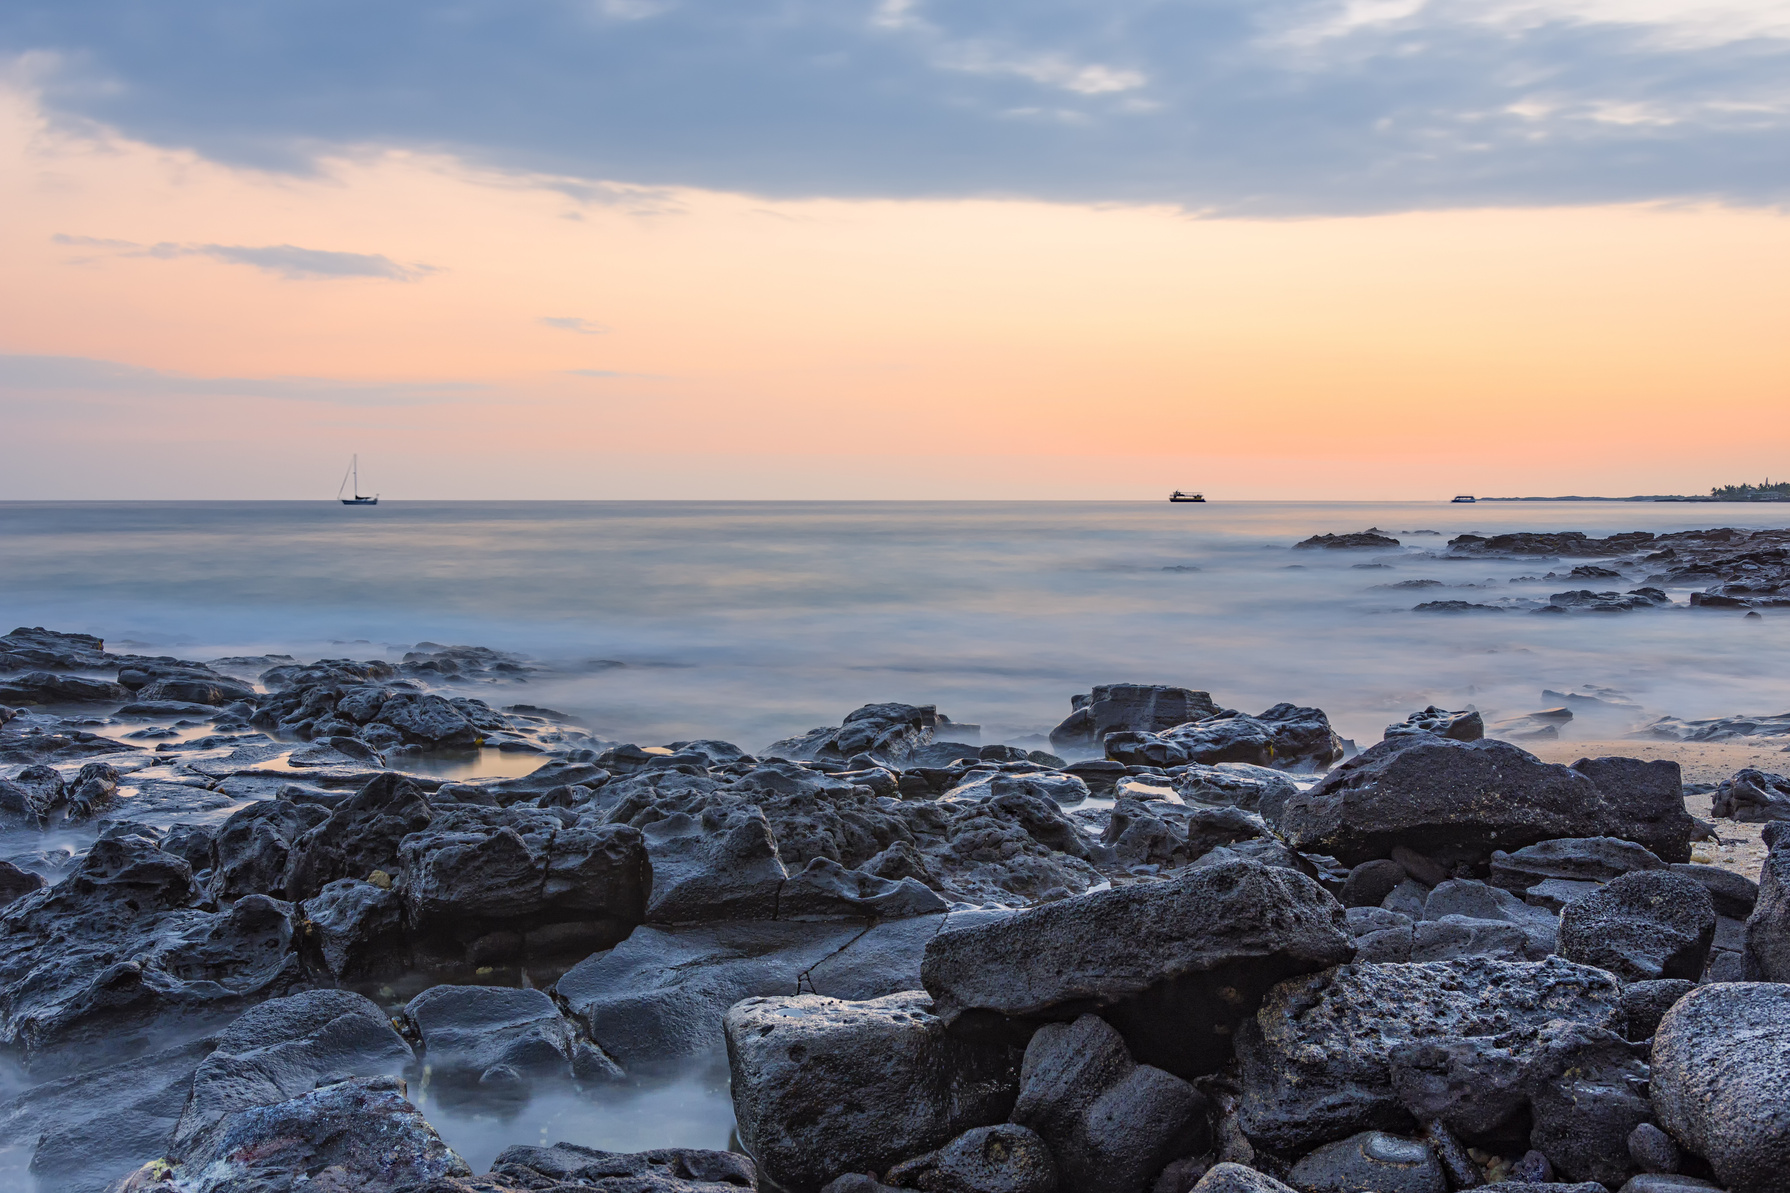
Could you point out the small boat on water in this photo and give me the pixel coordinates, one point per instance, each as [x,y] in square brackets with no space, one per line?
[357,499]
[1465,500]
[1177,495]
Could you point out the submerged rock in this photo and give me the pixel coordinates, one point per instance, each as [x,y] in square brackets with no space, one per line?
[1173,965]
[887,732]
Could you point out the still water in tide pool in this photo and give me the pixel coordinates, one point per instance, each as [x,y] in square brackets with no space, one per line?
[750,621]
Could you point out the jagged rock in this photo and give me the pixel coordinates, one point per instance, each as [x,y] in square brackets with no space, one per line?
[363,1134]
[1318,1058]
[1111,1123]
[196,688]
[1285,736]
[1717,1082]
[1172,965]
[886,732]
[1752,796]
[280,1050]
[1459,801]
[93,791]
[1235,784]
[114,954]
[999,1159]
[1044,784]
[1574,859]
[1644,925]
[823,1087]
[1372,1160]
[16,883]
[1644,1004]
[427,720]
[354,929]
[825,890]
[568,1165]
[252,850]
[360,836]
[1466,725]
[1356,541]
[551,880]
[658,997]
[1130,707]
[719,865]
[32,796]
[1138,837]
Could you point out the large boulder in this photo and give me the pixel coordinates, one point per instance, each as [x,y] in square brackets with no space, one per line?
[1285,736]
[252,850]
[1110,1123]
[1719,1059]
[822,1087]
[494,1042]
[1642,926]
[887,732]
[116,956]
[501,884]
[1173,965]
[1460,801]
[1128,707]
[1382,1046]
[427,720]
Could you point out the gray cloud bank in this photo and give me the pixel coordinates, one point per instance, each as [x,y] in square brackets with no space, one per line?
[1280,107]
[284,260]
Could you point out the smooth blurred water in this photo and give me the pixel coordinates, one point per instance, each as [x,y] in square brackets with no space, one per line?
[753,620]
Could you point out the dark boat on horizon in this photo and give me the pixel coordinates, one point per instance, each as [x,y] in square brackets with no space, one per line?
[1177,495]
[357,499]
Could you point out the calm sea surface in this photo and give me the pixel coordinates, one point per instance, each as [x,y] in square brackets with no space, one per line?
[753,620]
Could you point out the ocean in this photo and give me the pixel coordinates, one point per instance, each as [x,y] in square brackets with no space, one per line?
[750,621]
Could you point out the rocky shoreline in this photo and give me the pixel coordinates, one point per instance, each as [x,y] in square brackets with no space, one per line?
[1184,948]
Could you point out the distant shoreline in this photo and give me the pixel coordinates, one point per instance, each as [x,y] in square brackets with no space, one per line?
[1662,497]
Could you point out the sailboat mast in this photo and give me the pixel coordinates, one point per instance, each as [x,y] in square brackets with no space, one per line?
[356,467]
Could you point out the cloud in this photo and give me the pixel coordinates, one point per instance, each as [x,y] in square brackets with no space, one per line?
[583,327]
[1221,106]
[88,375]
[283,260]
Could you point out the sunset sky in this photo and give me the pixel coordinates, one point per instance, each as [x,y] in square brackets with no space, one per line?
[632,248]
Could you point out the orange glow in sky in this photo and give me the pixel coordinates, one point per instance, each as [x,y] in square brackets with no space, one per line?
[540,338]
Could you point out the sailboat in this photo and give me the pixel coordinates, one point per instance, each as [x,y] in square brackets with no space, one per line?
[357,499]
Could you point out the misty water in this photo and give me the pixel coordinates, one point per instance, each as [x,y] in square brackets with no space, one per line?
[665,621]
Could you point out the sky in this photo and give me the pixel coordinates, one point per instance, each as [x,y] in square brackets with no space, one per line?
[893,249]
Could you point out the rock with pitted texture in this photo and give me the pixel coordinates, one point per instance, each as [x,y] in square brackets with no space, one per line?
[1173,965]
[1718,1064]
[1768,926]
[1466,725]
[1236,1178]
[1001,1159]
[1645,925]
[822,1088]
[252,850]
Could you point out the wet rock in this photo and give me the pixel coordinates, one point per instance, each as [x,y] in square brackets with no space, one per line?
[93,791]
[887,732]
[1317,1058]
[1644,925]
[1129,707]
[32,796]
[720,864]
[1137,837]
[999,1159]
[1752,796]
[115,954]
[1173,965]
[252,850]
[355,929]
[1285,736]
[280,1050]
[1111,1123]
[427,720]
[1644,1004]
[1235,1178]
[664,1170]
[196,688]
[363,1134]
[46,687]
[1719,1059]
[1466,725]
[825,890]
[823,1087]
[1459,801]
[491,1041]
[1574,859]
[1371,1160]
[659,996]
[16,883]
[83,1132]
[475,871]
[1208,828]
[360,836]
[1356,541]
